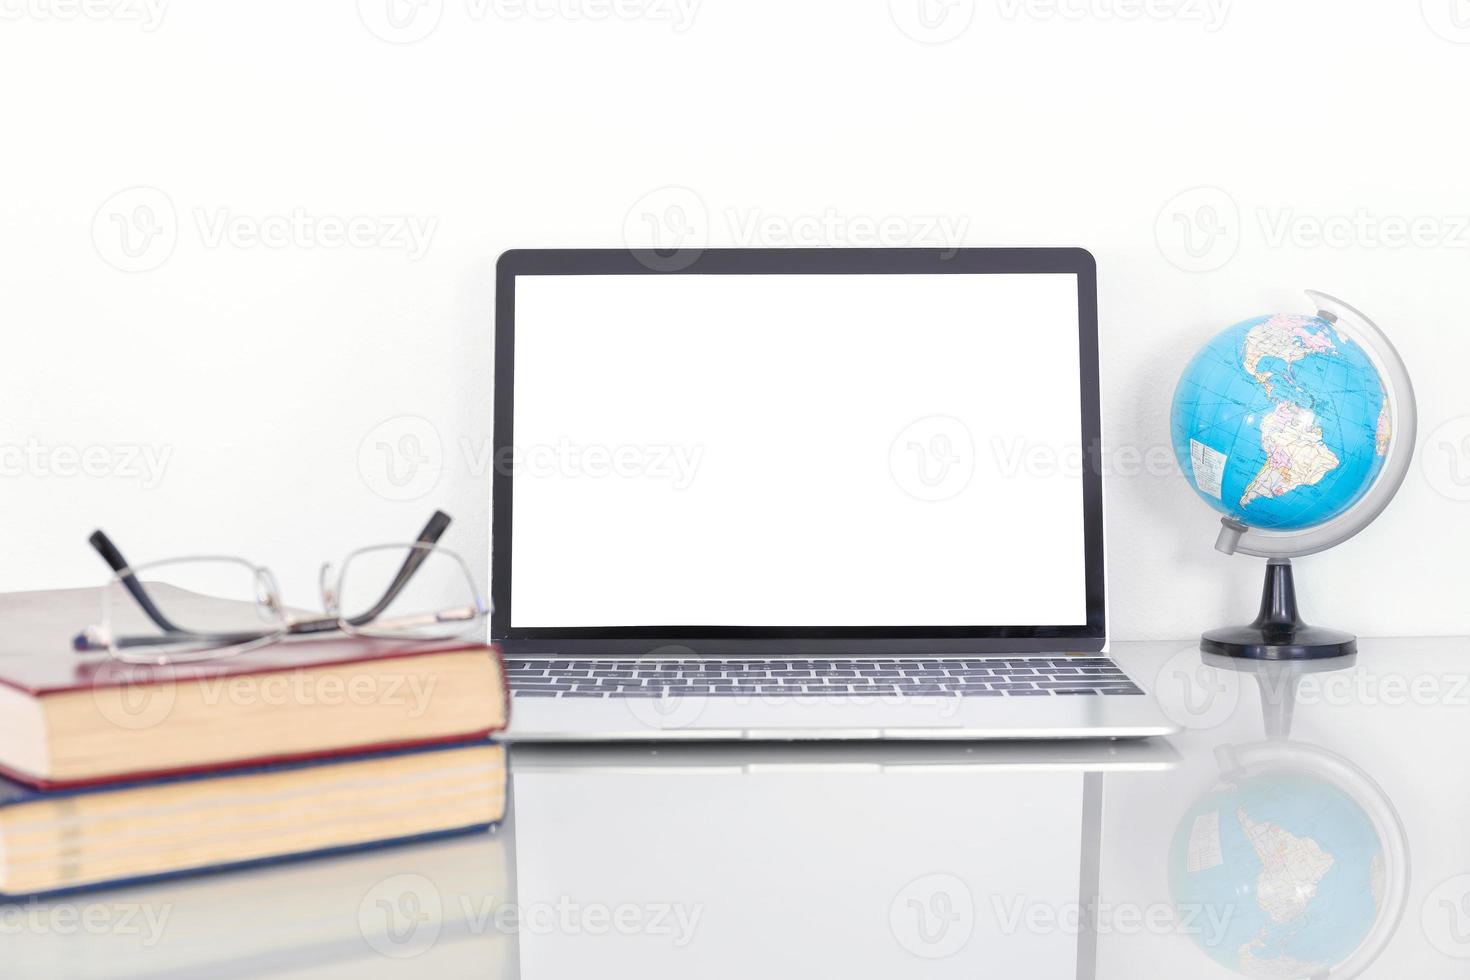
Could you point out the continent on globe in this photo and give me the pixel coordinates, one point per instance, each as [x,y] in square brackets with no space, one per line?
[1291,868]
[1384,432]
[1286,336]
[1283,967]
[1296,456]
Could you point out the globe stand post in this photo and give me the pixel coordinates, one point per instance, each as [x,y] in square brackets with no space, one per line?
[1278,632]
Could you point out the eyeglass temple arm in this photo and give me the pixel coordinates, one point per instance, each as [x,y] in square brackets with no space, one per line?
[431,533]
[115,560]
[90,640]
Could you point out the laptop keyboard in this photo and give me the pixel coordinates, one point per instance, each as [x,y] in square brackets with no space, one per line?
[824,677]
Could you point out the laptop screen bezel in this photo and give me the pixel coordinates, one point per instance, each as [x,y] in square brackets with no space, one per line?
[808,640]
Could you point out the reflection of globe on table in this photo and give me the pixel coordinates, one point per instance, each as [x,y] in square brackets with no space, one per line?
[1295,865]
[1281,422]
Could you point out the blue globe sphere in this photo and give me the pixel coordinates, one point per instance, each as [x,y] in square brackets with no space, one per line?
[1281,422]
[1280,875]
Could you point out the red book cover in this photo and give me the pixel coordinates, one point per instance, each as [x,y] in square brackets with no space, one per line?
[38,660]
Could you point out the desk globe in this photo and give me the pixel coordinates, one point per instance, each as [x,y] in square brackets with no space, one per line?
[1299,429]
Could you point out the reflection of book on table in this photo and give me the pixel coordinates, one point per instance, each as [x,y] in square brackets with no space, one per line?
[436,904]
[69,719]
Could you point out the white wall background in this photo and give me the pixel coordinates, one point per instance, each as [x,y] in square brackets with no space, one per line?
[261,369]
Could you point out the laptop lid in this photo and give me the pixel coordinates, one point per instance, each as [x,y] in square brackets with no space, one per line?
[814,451]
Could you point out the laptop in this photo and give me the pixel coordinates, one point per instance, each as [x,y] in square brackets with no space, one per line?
[872,860]
[802,494]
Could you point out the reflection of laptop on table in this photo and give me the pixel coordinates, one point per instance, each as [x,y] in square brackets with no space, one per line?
[852,860]
[803,493]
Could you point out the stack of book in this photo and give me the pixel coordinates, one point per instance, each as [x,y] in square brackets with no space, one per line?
[115,772]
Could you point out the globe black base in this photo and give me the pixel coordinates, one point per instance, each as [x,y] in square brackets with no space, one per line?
[1306,643]
[1278,632]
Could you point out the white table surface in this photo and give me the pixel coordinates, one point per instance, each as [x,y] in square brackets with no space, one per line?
[809,861]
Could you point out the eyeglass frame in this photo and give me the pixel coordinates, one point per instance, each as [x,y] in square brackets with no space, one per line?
[96,639]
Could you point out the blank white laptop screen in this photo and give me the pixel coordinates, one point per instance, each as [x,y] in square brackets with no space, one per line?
[797,450]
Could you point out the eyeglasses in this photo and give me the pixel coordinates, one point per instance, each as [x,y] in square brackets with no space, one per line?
[182,610]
